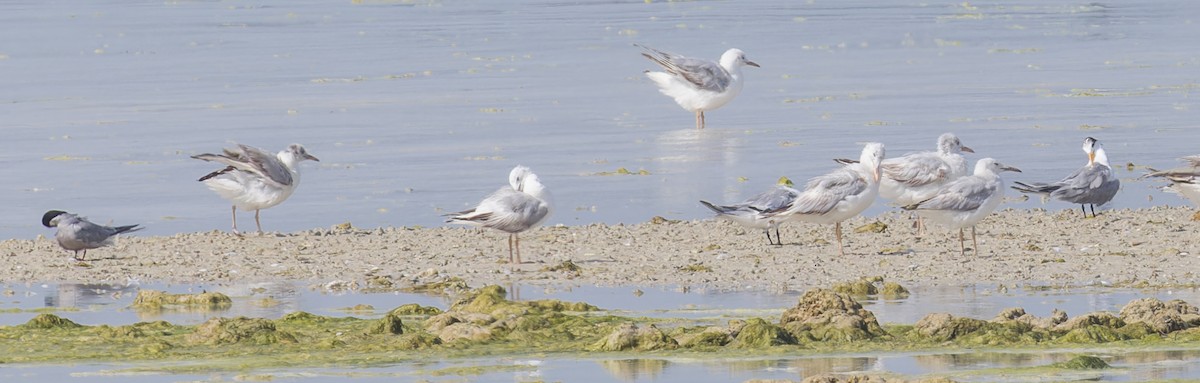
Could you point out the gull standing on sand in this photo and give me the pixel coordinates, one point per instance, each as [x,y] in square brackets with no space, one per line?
[916,177]
[967,200]
[1093,184]
[839,195]
[523,205]
[698,85]
[752,212]
[77,234]
[254,179]
[1185,180]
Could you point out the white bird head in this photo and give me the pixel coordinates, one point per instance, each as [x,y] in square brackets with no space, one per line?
[1095,151]
[735,58]
[517,177]
[294,154]
[990,165]
[948,143]
[872,157]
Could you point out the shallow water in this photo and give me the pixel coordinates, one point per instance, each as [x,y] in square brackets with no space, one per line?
[96,304]
[966,367]
[421,107]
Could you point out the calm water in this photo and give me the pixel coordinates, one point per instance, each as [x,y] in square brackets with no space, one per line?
[108,304]
[417,108]
[96,304]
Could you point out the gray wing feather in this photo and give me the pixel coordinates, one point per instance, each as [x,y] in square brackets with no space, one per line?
[967,193]
[1090,184]
[506,210]
[267,163]
[93,234]
[823,193]
[776,198]
[916,169]
[253,160]
[704,74]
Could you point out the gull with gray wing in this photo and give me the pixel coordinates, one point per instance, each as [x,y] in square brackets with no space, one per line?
[839,195]
[698,85]
[521,206]
[967,200]
[254,179]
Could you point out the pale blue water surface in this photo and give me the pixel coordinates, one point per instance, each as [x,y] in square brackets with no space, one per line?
[421,107]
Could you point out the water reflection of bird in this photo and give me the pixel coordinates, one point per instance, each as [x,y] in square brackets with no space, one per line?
[752,212]
[1185,180]
[255,179]
[77,234]
[523,205]
[698,85]
[967,200]
[839,195]
[1093,184]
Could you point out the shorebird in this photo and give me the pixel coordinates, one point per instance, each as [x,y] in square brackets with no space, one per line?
[967,200]
[698,85]
[839,195]
[521,206]
[1185,180]
[1093,184]
[77,234]
[254,179]
[917,176]
[752,212]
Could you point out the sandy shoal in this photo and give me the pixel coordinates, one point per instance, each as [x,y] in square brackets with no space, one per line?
[1151,247]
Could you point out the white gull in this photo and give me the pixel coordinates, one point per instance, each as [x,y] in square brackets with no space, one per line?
[698,85]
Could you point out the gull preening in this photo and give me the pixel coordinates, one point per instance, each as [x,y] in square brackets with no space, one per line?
[254,179]
[752,213]
[698,85]
[1185,180]
[839,195]
[521,206]
[967,200]
[1093,184]
[916,177]
[77,234]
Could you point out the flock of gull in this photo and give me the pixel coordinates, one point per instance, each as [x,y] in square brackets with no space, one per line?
[934,184]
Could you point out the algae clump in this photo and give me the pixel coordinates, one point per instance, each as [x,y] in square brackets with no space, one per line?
[860,287]
[238,330]
[415,309]
[389,324]
[1083,362]
[159,300]
[825,315]
[758,333]
[629,336]
[50,321]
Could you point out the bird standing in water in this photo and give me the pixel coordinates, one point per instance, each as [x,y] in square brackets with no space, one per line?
[698,85]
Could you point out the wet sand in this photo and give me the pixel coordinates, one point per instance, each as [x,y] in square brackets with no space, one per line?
[1146,247]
